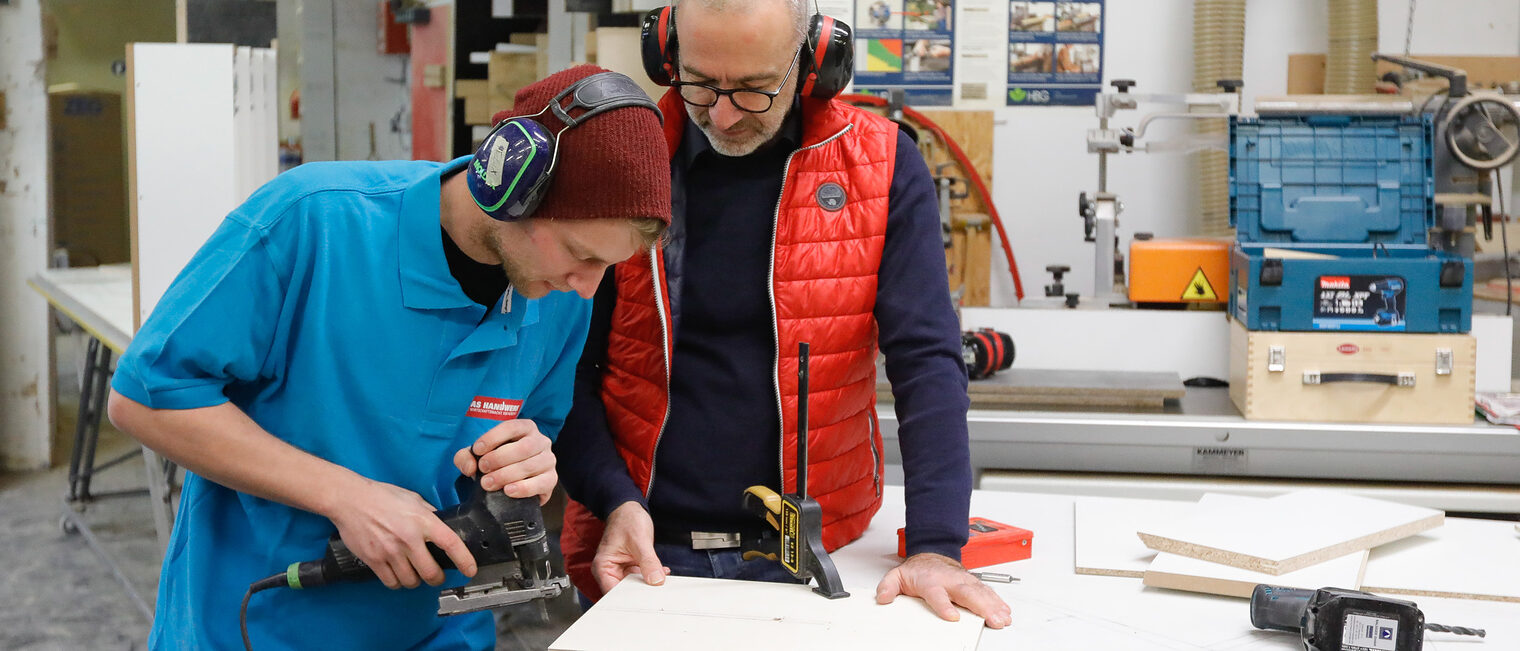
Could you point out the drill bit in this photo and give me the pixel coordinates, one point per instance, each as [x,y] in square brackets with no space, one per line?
[1458,630]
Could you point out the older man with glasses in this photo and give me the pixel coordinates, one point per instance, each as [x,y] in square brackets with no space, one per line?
[796,218]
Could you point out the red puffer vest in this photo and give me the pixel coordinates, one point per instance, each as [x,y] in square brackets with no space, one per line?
[830,226]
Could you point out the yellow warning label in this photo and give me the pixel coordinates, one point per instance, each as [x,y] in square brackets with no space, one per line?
[1199,289]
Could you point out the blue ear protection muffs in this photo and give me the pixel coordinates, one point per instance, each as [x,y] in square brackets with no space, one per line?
[514,165]
[827,61]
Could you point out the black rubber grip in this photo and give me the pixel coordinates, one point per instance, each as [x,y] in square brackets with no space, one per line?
[1377,378]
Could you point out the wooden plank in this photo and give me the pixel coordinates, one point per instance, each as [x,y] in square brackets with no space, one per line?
[619,49]
[507,73]
[1029,386]
[976,261]
[702,614]
[1494,289]
[1056,388]
[1465,559]
[1289,532]
[476,96]
[1306,72]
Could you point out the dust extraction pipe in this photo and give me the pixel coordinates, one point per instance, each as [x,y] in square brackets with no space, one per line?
[1219,34]
[1349,68]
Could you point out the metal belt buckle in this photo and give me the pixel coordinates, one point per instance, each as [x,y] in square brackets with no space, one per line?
[713,540]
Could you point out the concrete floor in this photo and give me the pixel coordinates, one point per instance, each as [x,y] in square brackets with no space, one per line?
[57,594]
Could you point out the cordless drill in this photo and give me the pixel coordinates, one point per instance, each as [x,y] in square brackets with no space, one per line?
[496,528]
[1388,289]
[1332,619]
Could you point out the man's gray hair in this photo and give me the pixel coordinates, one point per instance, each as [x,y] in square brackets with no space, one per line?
[799,10]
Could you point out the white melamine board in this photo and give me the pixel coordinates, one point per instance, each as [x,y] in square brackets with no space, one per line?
[1188,342]
[244,91]
[1465,559]
[1106,544]
[703,614]
[184,158]
[1495,344]
[1289,532]
[1193,575]
[268,110]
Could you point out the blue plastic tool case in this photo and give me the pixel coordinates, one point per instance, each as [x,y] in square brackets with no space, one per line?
[1319,179]
[1350,202]
[1401,290]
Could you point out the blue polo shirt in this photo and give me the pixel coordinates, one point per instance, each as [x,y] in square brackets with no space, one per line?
[324,308]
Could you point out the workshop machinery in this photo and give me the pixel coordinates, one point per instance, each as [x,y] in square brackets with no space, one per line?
[1474,133]
[1100,211]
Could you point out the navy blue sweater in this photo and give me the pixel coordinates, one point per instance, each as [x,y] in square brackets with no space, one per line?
[723,431]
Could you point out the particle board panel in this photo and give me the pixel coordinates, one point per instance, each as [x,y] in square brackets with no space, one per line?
[1193,575]
[1289,532]
[1465,559]
[702,614]
[1129,390]
[1026,386]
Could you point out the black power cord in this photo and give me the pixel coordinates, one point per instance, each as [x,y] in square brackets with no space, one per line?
[1509,283]
[280,580]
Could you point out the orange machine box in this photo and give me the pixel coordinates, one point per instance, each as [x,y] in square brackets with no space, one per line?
[1179,270]
[989,543]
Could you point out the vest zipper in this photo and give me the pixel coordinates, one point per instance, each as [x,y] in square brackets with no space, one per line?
[659,305]
[875,453]
[775,319]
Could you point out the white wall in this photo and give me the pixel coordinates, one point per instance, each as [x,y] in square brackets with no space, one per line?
[25,382]
[346,84]
[1040,157]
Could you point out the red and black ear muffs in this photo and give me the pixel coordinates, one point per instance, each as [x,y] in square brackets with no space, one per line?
[827,62]
[830,51]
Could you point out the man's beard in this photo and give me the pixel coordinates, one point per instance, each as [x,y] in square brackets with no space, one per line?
[516,277]
[751,143]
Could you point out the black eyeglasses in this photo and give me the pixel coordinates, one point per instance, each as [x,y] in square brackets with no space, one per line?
[750,100]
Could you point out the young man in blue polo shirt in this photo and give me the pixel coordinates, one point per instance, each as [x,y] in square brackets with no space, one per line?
[321,363]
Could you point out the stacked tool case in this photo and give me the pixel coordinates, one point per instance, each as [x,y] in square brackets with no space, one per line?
[1333,217]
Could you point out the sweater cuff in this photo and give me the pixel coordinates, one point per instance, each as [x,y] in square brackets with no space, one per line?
[934,543]
[618,494]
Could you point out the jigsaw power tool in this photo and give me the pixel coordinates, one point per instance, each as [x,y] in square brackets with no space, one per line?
[505,535]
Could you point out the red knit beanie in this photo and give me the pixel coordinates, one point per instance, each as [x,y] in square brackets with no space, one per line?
[613,165]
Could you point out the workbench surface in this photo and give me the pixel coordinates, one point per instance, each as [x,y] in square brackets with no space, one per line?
[1055,608]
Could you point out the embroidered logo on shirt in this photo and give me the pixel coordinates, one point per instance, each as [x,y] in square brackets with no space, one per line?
[494,408]
[830,196]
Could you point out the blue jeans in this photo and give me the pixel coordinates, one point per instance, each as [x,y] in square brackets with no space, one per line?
[714,564]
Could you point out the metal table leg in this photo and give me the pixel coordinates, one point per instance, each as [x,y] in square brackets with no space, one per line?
[94,389]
